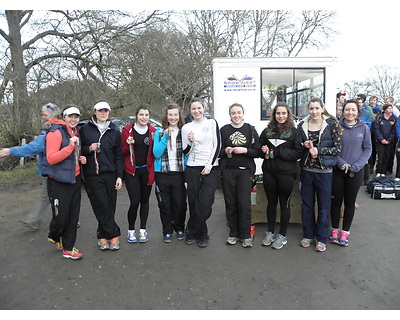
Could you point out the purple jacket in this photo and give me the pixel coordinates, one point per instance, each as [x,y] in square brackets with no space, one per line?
[356,145]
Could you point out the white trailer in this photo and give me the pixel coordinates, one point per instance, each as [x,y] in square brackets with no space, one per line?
[259,83]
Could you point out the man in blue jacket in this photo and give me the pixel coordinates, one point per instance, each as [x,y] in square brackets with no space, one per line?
[31,149]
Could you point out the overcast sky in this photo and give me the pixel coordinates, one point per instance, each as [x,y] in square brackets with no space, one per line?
[368,37]
[369,30]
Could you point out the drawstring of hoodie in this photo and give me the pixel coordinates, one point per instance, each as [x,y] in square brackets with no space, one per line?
[102,132]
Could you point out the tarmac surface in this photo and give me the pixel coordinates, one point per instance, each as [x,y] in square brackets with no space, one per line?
[174,276]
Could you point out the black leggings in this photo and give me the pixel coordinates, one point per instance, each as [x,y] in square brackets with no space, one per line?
[344,189]
[278,186]
[139,193]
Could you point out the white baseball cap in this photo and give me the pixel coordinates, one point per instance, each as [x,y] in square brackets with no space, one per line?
[101,105]
[71,110]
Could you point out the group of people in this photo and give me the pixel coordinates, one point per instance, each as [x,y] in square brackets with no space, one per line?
[384,130]
[186,161]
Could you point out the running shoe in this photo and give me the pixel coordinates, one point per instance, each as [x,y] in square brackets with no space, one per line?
[231,240]
[202,243]
[269,238]
[168,238]
[189,241]
[344,238]
[279,242]
[320,247]
[180,235]
[30,224]
[103,244]
[305,242]
[73,254]
[58,244]
[114,244]
[334,238]
[131,236]
[246,243]
[143,236]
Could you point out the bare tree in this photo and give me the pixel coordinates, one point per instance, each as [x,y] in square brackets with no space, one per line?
[259,33]
[385,82]
[356,87]
[80,38]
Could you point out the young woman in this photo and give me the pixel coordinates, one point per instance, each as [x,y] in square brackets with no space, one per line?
[169,169]
[356,148]
[240,145]
[137,148]
[384,128]
[62,167]
[281,148]
[320,134]
[101,143]
[201,141]
[33,148]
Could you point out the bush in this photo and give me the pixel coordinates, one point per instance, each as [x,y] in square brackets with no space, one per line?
[18,173]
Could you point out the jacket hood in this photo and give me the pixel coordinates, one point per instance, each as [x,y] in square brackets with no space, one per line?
[62,123]
[358,124]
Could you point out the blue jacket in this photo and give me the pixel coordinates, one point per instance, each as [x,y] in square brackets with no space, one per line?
[63,171]
[366,116]
[328,147]
[33,148]
[398,130]
[356,146]
[159,147]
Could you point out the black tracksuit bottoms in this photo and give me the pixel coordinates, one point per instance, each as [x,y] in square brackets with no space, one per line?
[171,197]
[103,198]
[237,185]
[65,201]
[201,195]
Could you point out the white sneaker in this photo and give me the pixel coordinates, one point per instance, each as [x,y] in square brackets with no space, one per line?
[231,240]
[131,236]
[143,236]
[305,242]
[247,243]
[320,247]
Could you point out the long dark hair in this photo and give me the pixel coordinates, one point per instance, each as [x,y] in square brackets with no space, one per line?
[275,126]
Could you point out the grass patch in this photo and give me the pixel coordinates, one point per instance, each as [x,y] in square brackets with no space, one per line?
[19,173]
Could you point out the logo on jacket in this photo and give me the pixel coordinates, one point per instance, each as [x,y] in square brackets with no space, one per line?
[238,139]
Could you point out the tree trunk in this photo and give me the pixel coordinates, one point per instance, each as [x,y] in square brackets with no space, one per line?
[20,106]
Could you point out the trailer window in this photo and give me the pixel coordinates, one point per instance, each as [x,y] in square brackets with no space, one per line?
[294,86]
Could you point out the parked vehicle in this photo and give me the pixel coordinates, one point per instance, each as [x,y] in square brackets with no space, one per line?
[121,122]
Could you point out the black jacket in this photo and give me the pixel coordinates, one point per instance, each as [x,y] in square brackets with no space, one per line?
[285,154]
[110,158]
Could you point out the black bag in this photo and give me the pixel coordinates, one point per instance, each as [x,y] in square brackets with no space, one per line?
[383,188]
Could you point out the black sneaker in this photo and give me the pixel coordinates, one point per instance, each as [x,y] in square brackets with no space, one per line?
[202,243]
[189,241]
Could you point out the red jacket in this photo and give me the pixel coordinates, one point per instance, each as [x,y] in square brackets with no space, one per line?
[128,167]
[54,151]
